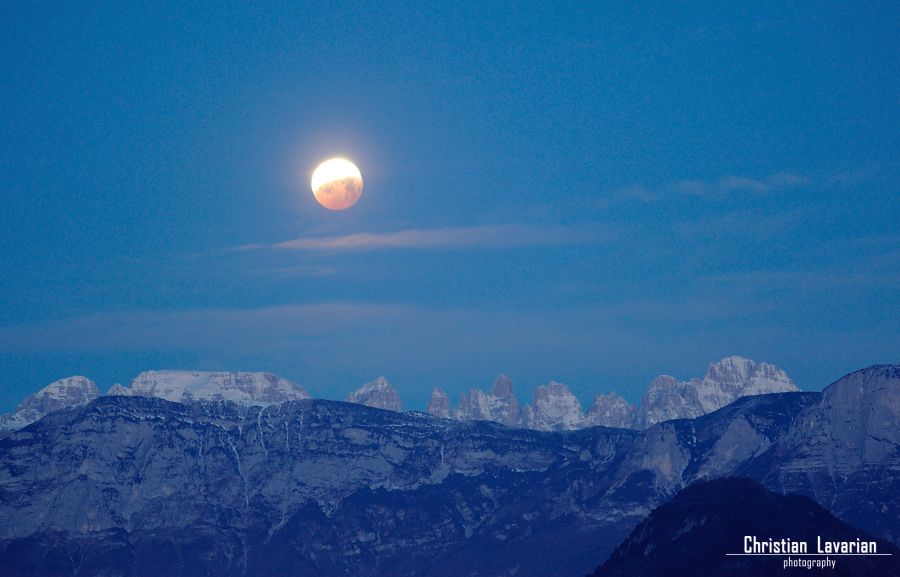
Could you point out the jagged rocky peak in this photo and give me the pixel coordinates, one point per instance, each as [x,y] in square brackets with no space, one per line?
[612,411]
[500,405]
[439,405]
[379,394]
[241,387]
[502,386]
[506,407]
[67,392]
[61,394]
[555,408]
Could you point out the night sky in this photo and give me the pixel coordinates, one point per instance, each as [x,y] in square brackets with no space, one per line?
[591,193]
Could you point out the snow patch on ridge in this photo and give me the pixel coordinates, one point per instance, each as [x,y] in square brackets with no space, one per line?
[241,387]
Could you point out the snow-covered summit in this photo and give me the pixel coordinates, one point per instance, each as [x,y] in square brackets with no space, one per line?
[61,394]
[735,377]
[725,382]
[379,394]
[241,387]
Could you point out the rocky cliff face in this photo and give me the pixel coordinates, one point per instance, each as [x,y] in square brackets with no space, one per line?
[240,387]
[325,488]
[611,411]
[845,450]
[379,394]
[500,405]
[668,398]
[555,408]
[505,409]
[439,405]
[58,395]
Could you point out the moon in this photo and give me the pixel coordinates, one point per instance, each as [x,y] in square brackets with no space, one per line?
[337,184]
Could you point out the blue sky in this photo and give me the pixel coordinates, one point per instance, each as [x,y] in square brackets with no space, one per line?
[593,193]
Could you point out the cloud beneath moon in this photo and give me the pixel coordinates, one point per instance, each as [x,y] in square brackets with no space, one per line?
[473,237]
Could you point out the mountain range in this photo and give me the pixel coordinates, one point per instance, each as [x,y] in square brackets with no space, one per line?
[554,407]
[137,485]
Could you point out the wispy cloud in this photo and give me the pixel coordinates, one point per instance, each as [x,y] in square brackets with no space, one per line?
[472,237]
[716,188]
[736,184]
[294,272]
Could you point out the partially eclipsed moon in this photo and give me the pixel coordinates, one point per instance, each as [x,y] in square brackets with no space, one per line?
[337,184]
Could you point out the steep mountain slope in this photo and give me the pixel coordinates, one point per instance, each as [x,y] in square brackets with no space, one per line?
[845,451]
[324,488]
[691,535]
[61,394]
